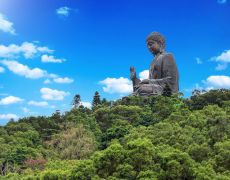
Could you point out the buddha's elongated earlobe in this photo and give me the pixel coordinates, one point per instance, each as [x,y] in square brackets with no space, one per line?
[162,48]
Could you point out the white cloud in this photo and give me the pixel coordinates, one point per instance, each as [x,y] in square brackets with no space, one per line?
[63,80]
[117,85]
[222,1]
[86,104]
[51,59]
[218,82]
[53,106]
[212,82]
[2,69]
[209,88]
[52,75]
[224,57]
[10,100]
[27,49]
[199,61]
[53,94]
[8,116]
[34,73]
[144,74]
[25,110]
[47,81]
[5,25]
[221,66]
[39,104]
[44,49]
[24,70]
[63,11]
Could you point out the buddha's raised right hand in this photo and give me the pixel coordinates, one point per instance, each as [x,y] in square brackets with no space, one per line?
[133,73]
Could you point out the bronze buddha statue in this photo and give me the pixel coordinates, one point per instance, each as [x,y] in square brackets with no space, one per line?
[162,71]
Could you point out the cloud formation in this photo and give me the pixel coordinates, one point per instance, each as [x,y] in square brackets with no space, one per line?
[213,82]
[25,110]
[64,80]
[53,94]
[222,1]
[51,59]
[144,74]
[63,11]
[8,116]
[47,81]
[6,25]
[24,70]
[117,85]
[2,69]
[10,100]
[223,59]
[27,49]
[86,104]
[33,73]
[38,104]
[199,61]
[221,66]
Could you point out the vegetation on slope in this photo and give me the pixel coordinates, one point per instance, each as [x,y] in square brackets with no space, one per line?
[133,138]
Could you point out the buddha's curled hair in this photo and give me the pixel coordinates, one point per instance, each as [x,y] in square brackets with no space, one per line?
[155,36]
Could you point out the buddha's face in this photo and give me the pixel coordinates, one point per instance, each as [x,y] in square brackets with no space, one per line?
[153,46]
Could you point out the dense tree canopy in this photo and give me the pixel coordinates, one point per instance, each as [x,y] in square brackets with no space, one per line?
[163,137]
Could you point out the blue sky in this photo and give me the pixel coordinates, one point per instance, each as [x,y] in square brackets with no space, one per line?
[52,50]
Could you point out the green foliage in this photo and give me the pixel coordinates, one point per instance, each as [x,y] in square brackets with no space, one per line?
[84,170]
[147,175]
[222,155]
[108,160]
[74,143]
[201,99]
[158,137]
[96,99]
[118,129]
[128,113]
[142,152]
[82,116]
[46,126]
[76,101]
[163,106]
[167,91]
[55,175]
[199,152]
[125,171]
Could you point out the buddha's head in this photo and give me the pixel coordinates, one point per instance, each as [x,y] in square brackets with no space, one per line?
[155,43]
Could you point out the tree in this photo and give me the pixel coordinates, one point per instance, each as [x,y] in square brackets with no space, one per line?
[141,138]
[199,99]
[107,161]
[118,129]
[96,99]
[57,117]
[141,150]
[76,101]
[222,155]
[74,143]
[103,118]
[167,91]
[84,170]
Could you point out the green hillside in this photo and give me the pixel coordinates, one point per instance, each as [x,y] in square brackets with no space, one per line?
[162,137]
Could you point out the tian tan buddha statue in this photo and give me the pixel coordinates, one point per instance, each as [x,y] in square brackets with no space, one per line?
[162,71]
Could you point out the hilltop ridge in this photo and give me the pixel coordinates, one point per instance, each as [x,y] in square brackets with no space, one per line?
[157,137]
